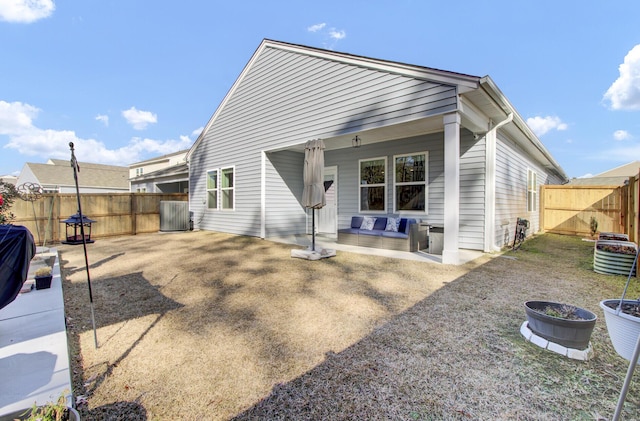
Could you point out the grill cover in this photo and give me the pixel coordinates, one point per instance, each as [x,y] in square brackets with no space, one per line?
[16,251]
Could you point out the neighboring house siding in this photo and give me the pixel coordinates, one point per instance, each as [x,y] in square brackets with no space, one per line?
[511,191]
[286,99]
[472,191]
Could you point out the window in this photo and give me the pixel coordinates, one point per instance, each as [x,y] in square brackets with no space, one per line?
[139,171]
[532,191]
[227,188]
[212,189]
[410,182]
[372,185]
[220,189]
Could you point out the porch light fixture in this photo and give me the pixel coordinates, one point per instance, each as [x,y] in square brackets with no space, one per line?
[355,142]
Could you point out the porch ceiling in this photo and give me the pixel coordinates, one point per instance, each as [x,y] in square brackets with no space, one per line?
[381,134]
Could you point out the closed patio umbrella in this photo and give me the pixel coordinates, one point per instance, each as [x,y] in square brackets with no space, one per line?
[313,195]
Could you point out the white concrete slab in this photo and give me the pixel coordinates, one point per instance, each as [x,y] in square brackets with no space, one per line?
[34,356]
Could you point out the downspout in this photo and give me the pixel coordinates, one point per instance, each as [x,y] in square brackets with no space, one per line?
[491,138]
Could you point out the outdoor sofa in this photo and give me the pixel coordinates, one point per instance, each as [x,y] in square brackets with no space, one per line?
[391,233]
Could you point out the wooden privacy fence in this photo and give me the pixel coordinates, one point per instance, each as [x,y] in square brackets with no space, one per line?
[114,213]
[568,209]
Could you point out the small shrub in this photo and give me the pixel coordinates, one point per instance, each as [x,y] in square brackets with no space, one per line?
[8,194]
[44,271]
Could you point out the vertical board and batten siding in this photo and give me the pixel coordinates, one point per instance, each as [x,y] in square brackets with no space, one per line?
[284,99]
[472,191]
[511,191]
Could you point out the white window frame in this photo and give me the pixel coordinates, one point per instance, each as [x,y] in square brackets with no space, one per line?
[532,190]
[214,189]
[222,190]
[412,183]
[383,184]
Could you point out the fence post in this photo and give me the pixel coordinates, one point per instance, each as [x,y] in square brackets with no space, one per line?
[542,193]
[134,211]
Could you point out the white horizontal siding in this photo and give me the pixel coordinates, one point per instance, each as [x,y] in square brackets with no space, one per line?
[472,191]
[511,190]
[285,214]
[284,99]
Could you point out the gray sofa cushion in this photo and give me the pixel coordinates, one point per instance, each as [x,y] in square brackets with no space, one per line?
[393,234]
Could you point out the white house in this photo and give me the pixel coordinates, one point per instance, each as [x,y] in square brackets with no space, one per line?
[479,164]
[163,174]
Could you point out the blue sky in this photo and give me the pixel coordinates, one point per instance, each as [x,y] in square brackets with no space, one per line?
[130,80]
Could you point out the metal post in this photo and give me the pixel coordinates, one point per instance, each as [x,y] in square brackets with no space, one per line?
[76,169]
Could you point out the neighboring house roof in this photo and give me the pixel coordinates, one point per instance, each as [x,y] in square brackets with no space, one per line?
[11,179]
[158,158]
[479,96]
[58,172]
[175,170]
[627,170]
[614,177]
[598,181]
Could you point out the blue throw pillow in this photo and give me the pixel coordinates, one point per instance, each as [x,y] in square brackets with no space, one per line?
[402,226]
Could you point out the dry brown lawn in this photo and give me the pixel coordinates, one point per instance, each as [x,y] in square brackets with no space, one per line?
[209,326]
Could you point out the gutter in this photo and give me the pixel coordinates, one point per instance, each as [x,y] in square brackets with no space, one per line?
[490,88]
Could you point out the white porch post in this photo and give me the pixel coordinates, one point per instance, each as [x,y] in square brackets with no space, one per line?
[263,194]
[450,253]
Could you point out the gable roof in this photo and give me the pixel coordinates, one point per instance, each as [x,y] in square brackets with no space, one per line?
[59,172]
[475,98]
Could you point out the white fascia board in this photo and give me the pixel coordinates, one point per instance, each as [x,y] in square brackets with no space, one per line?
[472,117]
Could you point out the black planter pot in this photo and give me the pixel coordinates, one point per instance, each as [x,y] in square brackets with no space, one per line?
[43,282]
[568,333]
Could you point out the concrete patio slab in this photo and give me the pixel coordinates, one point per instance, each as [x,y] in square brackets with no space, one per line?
[34,356]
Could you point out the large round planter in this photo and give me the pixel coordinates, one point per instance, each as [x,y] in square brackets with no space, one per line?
[623,328]
[611,263]
[568,333]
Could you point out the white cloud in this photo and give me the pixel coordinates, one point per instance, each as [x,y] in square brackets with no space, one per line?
[621,135]
[330,35]
[542,125]
[103,118]
[587,175]
[624,93]
[335,34]
[16,122]
[197,132]
[16,117]
[316,27]
[25,11]
[139,119]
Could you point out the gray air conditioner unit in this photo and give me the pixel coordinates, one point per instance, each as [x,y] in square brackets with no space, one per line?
[174,216]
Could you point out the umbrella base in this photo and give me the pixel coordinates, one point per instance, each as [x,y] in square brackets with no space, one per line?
[313,254]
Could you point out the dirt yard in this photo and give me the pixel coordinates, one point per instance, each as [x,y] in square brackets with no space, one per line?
[209,326]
